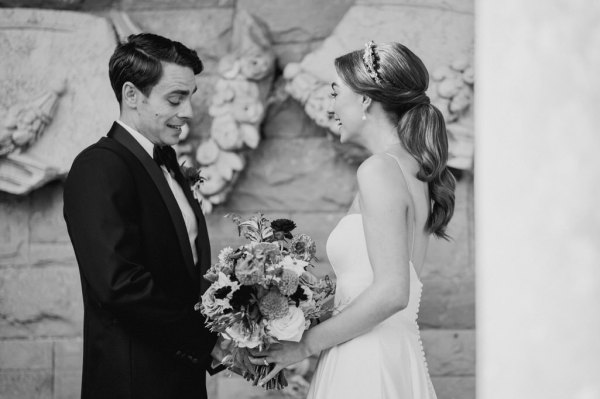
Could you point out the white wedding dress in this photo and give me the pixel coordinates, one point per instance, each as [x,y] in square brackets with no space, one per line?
[387,362]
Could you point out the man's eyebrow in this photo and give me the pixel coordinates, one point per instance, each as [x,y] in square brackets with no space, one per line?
[184,92]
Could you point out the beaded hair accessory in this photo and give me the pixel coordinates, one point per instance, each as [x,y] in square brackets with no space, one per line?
[371,61]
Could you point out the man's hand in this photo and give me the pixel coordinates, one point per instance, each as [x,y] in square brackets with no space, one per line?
[220,350]
[242,360]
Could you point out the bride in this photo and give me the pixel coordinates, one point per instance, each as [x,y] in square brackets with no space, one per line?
[371,348]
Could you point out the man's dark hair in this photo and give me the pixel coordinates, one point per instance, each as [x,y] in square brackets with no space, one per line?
[138,60]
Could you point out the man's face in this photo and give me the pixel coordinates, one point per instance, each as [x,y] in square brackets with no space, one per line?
[168,107]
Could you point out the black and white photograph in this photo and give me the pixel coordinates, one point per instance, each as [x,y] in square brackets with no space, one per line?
[299,199]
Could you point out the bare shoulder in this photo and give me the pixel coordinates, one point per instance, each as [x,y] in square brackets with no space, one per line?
[381,184]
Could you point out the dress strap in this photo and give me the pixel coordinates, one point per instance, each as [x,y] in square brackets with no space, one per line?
[412,200]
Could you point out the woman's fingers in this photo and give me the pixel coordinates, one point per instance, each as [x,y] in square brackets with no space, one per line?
[258,361]
[272,374]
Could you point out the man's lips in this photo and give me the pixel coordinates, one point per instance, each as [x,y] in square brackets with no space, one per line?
[178,127]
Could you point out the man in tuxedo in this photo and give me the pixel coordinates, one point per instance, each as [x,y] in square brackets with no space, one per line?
[139,235]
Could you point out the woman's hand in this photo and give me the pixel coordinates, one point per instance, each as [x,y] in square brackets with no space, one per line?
[281,355]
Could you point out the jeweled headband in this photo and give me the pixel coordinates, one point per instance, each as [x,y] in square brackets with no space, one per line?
[371,61]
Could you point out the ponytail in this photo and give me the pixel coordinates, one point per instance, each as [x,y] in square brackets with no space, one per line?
[422,131]
[398,80]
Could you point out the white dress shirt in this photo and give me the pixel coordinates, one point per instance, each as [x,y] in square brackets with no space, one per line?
[186,210]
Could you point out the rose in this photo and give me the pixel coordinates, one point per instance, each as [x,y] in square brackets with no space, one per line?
[296,265]
[289,327]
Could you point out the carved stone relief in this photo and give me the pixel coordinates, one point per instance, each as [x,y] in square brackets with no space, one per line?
[237,108]
[441,36]
[55,98]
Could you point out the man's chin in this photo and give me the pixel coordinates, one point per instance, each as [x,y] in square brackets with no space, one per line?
[171,139]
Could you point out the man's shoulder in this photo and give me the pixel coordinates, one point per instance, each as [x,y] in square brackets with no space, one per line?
[104,150]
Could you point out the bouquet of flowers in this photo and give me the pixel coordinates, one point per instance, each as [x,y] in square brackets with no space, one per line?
[262,293]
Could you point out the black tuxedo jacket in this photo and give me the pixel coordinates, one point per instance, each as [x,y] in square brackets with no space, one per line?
[142,337]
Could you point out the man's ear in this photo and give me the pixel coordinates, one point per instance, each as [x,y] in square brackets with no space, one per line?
[366,103]
[130,95]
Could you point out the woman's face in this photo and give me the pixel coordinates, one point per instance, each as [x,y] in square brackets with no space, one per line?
[348,111]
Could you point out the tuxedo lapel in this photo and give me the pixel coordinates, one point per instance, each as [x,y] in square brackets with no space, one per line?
[202,241]
[119,134]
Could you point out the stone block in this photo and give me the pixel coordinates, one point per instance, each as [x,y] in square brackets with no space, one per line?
[14,231]
[20,384]
[208,31]
[61,4]
[25,355]
[47,223]
[68,357]
[454,259]
[55,254]
[287,119]
[458,6]
[454,387]
[68,354]
[173,4]
[449,352]
[40,302]
[297,174]
[67,384]
[296,22]
[294,51]
[448,304]
[437,35]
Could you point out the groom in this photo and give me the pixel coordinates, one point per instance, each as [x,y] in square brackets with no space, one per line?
[139,235]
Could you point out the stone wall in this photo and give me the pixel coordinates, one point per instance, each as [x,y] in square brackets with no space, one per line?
[296,172]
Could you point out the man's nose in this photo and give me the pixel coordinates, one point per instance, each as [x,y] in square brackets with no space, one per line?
[186,111]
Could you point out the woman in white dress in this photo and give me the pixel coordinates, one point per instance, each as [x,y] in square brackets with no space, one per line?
[371,348]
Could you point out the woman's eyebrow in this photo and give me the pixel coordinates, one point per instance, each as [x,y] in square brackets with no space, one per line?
[333,86]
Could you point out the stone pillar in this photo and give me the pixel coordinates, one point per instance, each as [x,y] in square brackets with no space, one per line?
[537,192]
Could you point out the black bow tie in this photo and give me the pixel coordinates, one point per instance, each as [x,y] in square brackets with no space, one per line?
[166,156]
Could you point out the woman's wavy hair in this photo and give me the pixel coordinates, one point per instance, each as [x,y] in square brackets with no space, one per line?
[399,87]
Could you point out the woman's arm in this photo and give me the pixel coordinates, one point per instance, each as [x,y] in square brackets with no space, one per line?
[384,205]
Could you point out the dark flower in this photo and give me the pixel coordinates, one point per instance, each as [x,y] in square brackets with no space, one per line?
[283,226]
[222,292]
[298,296]
[241,297]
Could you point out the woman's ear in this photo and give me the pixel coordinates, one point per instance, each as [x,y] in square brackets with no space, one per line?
[366,103]
[130,95]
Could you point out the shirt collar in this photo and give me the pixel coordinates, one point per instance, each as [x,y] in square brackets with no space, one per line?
[140,138]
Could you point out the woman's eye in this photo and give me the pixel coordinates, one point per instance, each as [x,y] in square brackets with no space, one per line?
[333,94]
